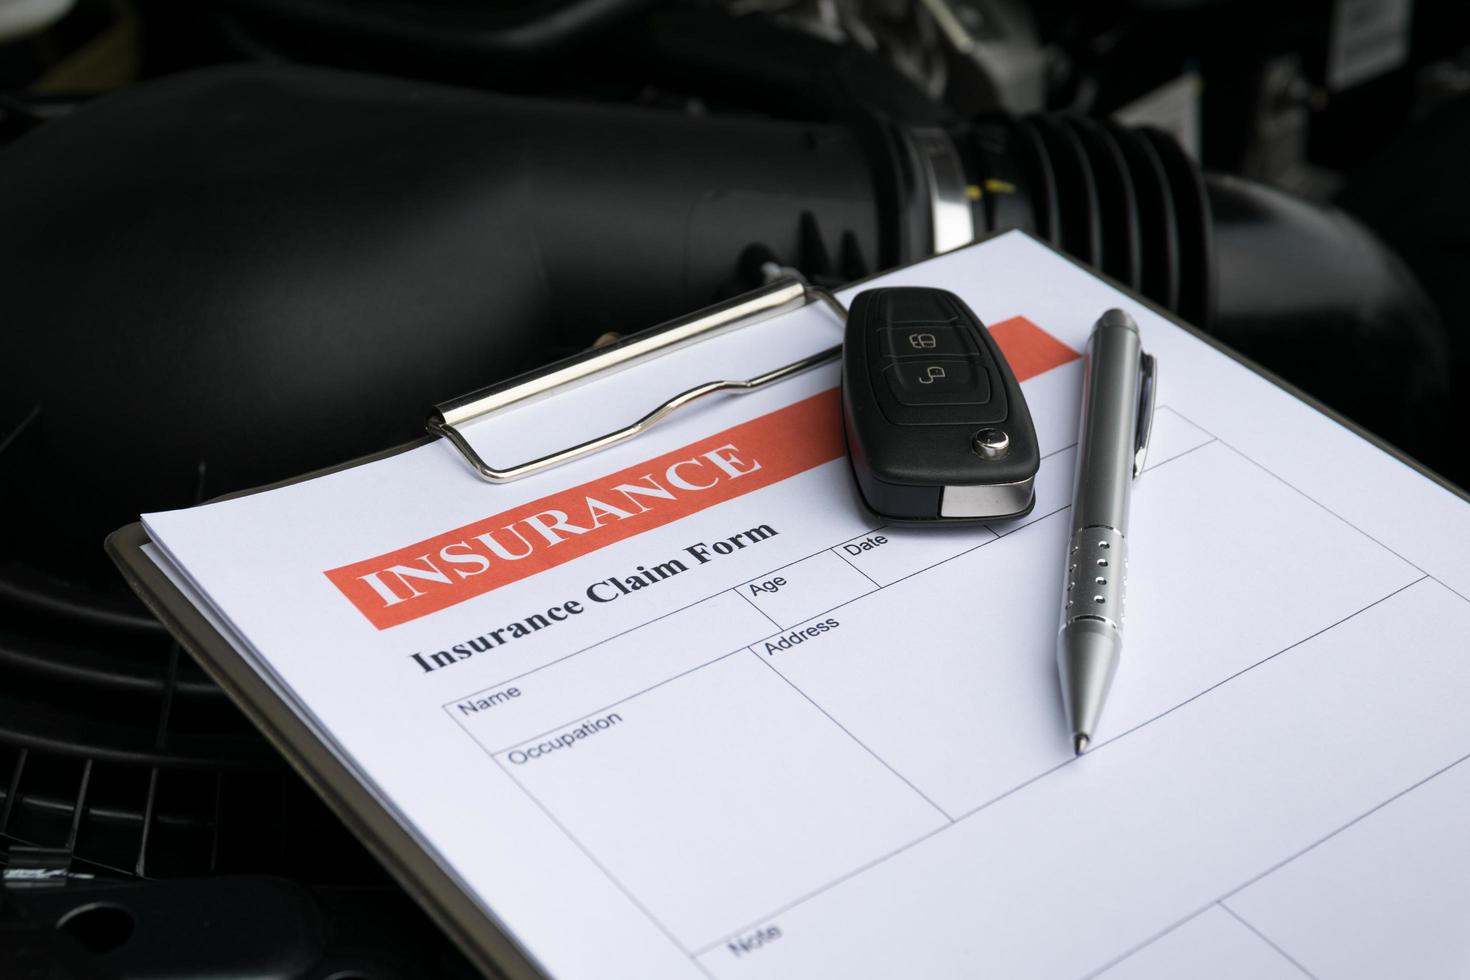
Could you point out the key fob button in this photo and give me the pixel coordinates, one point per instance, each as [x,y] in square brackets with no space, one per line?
[925,340]
[938,382]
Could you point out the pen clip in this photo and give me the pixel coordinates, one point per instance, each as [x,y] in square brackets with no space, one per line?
[1146,387]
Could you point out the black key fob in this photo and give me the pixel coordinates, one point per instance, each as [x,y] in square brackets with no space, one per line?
[937,427]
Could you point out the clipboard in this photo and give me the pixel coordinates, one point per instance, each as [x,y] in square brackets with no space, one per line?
[490,947]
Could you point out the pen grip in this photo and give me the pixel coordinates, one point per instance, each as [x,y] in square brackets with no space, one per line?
[1097,581]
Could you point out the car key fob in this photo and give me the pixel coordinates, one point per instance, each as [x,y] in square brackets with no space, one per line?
[937,427]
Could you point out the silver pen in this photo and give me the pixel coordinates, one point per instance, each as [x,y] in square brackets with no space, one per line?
[1117,416]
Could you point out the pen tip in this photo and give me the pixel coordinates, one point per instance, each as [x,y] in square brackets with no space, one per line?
[1079,743]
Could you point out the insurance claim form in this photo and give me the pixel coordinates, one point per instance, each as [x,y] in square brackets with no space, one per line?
[684,709]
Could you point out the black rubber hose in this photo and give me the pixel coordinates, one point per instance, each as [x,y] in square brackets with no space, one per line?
[1076,189]
[1158,216]
[1117,202]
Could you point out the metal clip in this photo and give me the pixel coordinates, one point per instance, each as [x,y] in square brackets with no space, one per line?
[787,293]
[1146,387]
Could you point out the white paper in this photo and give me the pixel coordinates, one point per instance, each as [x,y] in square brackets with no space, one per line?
[862,769]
